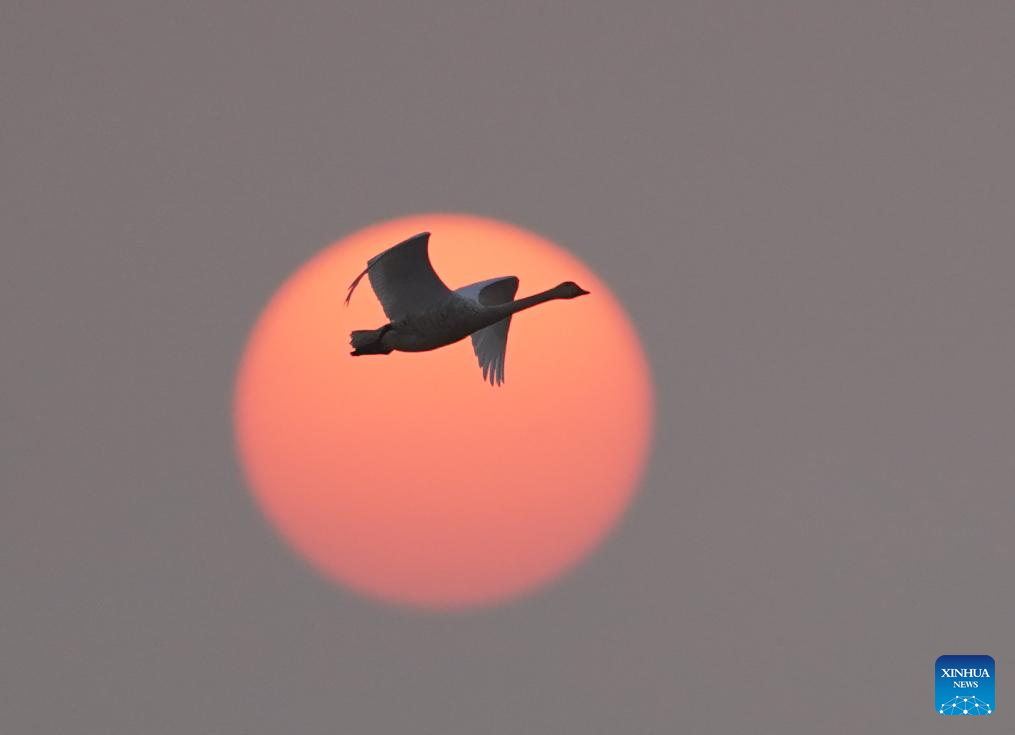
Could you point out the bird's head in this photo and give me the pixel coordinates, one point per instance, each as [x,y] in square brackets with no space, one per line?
[570,290]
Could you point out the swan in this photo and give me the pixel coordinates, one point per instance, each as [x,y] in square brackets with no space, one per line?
[425,314]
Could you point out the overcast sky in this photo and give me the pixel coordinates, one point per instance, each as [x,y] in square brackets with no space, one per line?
[807,208]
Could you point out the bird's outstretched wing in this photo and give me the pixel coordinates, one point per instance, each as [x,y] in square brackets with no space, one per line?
[403,278]
[490,343]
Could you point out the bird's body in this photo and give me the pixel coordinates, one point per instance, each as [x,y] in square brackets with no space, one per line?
[425,314]
[439,325]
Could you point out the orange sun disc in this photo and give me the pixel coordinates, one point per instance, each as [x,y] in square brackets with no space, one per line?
[407,477]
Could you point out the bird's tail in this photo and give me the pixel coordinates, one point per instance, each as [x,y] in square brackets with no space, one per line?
[368,341]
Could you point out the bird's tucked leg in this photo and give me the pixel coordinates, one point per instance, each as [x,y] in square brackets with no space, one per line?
[368,341]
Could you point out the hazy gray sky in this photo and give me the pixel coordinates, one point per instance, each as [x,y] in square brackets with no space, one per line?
[807,208]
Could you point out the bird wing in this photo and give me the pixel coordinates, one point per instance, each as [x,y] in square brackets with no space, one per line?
[490,343]
[403,278]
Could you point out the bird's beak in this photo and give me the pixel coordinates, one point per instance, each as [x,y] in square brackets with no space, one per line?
[583,292]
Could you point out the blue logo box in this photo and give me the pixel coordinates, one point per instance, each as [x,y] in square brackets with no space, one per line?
[964,685]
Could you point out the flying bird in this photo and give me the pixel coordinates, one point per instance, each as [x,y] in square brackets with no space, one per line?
[425,314]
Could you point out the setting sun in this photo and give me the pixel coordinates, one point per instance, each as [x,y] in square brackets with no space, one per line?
[407,477]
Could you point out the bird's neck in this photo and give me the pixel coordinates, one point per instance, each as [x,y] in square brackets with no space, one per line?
[513,307]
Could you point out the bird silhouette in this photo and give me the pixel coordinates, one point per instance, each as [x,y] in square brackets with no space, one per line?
[425,314]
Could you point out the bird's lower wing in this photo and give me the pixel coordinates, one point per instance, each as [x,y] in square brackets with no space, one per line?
[490,346]
[490,343]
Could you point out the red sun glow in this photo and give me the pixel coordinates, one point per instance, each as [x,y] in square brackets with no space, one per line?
[409,479]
